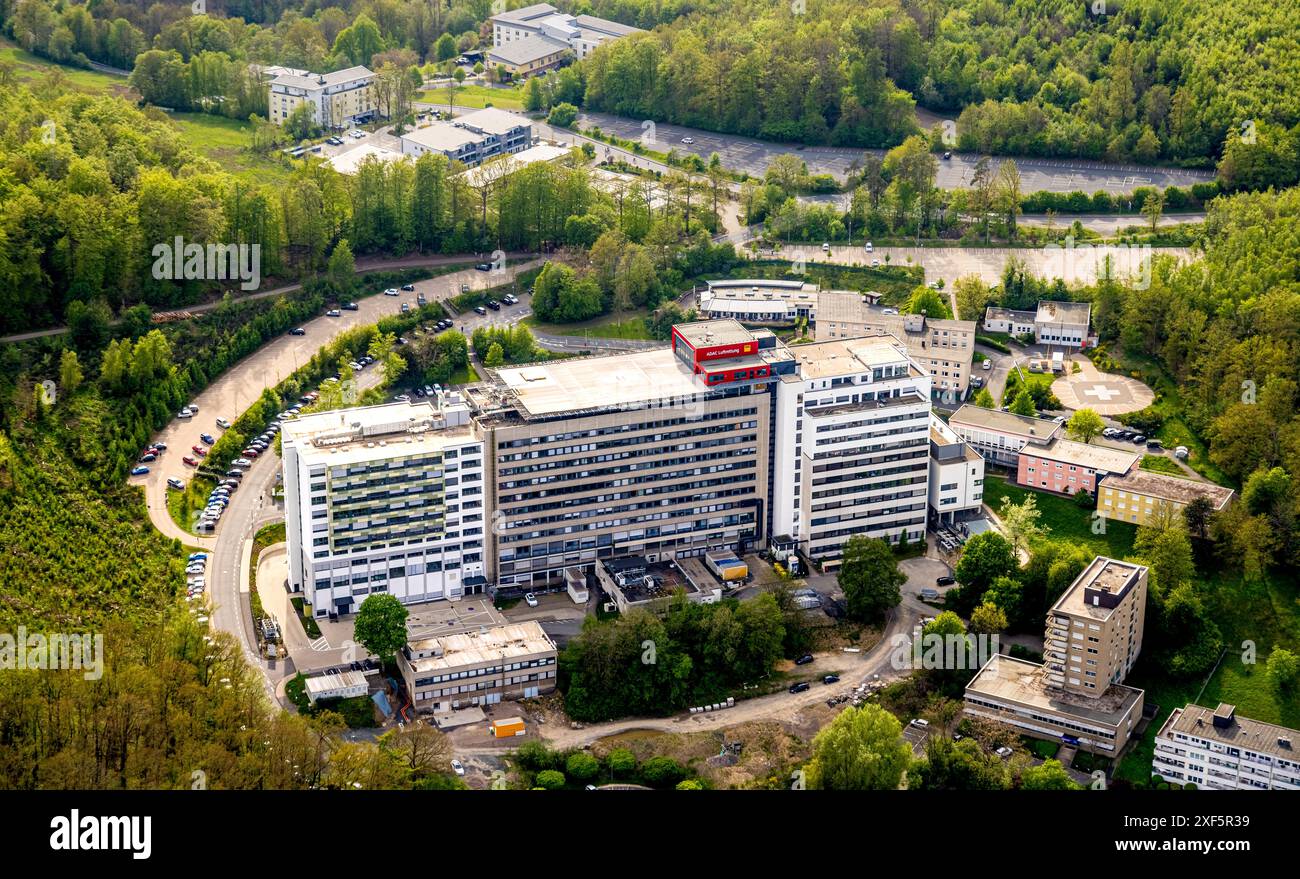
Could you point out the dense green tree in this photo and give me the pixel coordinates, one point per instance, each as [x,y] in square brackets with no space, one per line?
[861,749]
[380,625]
[869,577]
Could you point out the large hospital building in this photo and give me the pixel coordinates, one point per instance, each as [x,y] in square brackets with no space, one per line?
[725,439]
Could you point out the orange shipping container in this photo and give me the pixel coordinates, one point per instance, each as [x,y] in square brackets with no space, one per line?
[513,726]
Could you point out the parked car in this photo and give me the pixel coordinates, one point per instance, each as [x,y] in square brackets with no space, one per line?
[235,473]
[831,679]
[243,462]
[409,288]
[480,310]
[406,306]
[1004,752]
[875,263]
[928,594]
[148,458]
[944,581]
[223,423]
[391,291]
[483,266]
[804,660]
[207,438]
[1181,453]
[191,461]
[688,140]
[333,312]
[531,599]
[947,155]
[250,453]
[297,331]
[457,767]
[868,247]
[799,687]
[1139,439]
[173,482]
[494,305]
[185,413]
[139,471]
[1155,444]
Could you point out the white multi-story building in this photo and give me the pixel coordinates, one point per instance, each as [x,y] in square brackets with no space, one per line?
[385,499]
[956,474]
[538,37]
[1219,750]
[719,442]
[473,138]
[338,99]
[851,447]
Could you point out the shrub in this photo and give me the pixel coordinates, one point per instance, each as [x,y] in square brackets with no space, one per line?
[621,761]
[582,766]
[662,771]
[550,779]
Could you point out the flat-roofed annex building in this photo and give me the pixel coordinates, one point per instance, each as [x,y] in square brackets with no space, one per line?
[999,436]
[956,474]
[1221,750]
[1063,324]
[384,499]
[1013,692]
[478,667]
[338,99]
[1141,496]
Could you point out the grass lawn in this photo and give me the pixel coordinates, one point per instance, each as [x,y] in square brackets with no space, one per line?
[1160,464]
[1066,520]
[476,97]
[623,325]
[182,505]
[465,376]
[29,68]
[225,141]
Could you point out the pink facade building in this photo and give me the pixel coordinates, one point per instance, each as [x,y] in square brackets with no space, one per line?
[1065,466]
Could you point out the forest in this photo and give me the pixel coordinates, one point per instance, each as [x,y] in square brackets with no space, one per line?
[92,184]
[1129,80]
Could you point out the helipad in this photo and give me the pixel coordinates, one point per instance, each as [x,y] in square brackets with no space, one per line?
[1102,392]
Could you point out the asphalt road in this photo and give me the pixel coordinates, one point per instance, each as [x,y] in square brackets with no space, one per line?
[232,393]
[753,156]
